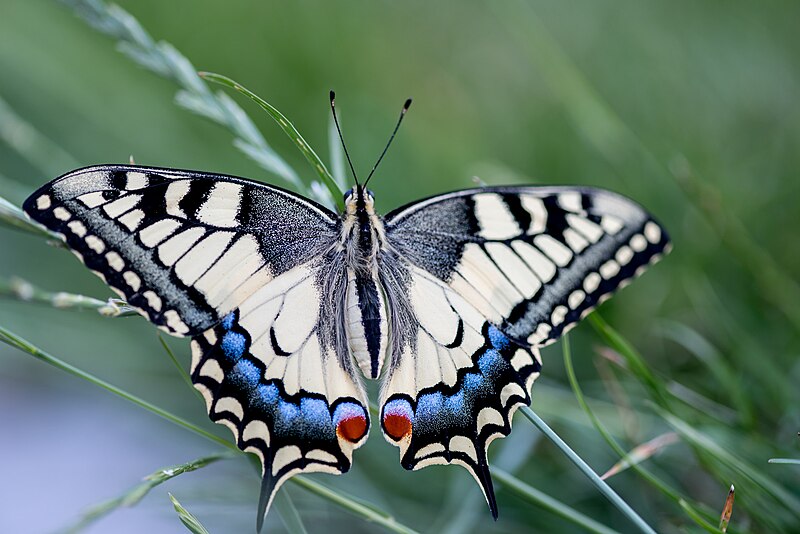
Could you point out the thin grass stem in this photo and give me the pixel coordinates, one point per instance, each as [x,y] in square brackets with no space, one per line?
[289,129]
[285,507]
[732,461]
[792,461]
[194,95]
[609,439]
[616,141]
[31,144]
[23,290]
[187,518]
[13,217]
[543,500]
[595,479]
[15,341]
[181,371]
[356,506]
[134,495]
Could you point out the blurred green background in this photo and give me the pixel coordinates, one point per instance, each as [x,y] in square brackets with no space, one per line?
[689,107]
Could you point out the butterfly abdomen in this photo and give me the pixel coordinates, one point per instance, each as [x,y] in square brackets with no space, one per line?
[366,322]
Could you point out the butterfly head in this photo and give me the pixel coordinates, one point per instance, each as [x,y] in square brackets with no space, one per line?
[358,199]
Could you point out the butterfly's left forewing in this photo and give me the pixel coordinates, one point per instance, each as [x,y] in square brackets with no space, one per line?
[454,381]
[532,260]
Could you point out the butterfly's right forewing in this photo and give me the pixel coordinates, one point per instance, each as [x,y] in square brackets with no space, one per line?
[184,248]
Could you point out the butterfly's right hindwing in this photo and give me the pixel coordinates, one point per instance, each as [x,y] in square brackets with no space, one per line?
[185,248]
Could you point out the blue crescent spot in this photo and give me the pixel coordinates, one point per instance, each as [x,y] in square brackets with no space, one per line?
[287,417]
[490,362]
[267,395]
[227,321]
[245,375]
[428,415]
[455,403]
[399,407]
[291,420]
[497,338]
[233,345]
[473,382]
[316,418]
[347,410]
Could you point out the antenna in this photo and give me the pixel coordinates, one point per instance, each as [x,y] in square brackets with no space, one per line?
[341,137]
[397,126]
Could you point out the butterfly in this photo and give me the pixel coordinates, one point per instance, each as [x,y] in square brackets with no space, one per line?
[289,305]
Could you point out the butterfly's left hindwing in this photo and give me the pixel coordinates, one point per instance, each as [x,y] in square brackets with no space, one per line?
[454,381]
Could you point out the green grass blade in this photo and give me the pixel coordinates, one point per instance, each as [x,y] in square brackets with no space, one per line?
[132,497]
[600,427]
[725,375]
[609,439]
[35,147]
[793,461]
[189,521]
[181,371]
[641,452]
[604,488]
[732,462]
[538,498]
[17,342]
[635,362]
[602,126]
[14,217]
[289,130]
[355,506]
[194,94]
[337,155]
[289,515]
[338,497]
[697,518]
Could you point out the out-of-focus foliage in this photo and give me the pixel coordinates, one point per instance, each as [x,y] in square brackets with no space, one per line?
[689,107]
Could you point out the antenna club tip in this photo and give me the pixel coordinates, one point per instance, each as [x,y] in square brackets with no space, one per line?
[333,95]
[407,105]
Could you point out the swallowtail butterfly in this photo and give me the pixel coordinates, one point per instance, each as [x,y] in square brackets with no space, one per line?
[288,305]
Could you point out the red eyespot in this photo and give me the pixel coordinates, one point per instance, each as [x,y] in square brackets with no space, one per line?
[350,419]
[352,429]
[396,425]
[398,418]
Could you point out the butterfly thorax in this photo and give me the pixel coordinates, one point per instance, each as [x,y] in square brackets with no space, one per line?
[362,239]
